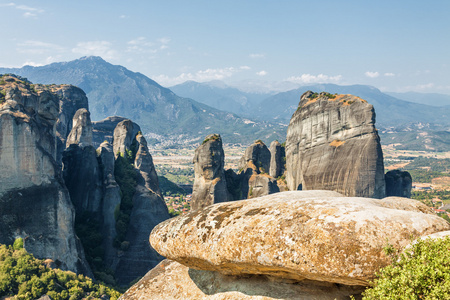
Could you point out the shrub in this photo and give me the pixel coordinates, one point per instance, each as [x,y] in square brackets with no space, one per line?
[423,272]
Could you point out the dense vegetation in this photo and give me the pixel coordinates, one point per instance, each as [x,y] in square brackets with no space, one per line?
[177,175]
[26,277]
[430,163]
[423,272]
[169,188]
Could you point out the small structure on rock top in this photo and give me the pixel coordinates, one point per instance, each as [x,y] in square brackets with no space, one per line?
[332,144]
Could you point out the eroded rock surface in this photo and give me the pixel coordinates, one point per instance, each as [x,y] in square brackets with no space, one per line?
[277,159]
[210,185]
[314,235]
[34,201]
[171,280]
[398,183]
[332,144]
[81,133]
[125,137]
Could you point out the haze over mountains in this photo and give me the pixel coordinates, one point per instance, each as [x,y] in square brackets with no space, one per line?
[114,90]
[190,111]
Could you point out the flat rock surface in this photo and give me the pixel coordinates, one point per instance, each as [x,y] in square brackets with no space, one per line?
[171,280]
[315,235]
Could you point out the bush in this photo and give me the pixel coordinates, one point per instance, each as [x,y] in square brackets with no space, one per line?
[25,277]
[423,272]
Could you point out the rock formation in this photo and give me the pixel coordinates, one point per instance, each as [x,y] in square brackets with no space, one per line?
[125,137]
[277,159]
[104,130]
[172,280]
[332,144]
[81,133]
[210,185]
[71,99]
[148,208]
[81,171]
[111,200]
[398,183]
[34,201]
[315,235]
[253,176]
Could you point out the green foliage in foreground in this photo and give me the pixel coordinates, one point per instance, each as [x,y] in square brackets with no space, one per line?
[423,272]
[25,277]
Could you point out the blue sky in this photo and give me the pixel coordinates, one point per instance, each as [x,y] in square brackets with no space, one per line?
[393,45]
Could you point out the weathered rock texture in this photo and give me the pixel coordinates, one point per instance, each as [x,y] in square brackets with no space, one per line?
[277,159]
[171,280]
[111,200]
[104,130]
[125,137]
[314,235]
[210,185]
[34,201]
[71,99]
[398,183]
[149,208]
[81,133]
[254,180]
[81,170]
[332,144]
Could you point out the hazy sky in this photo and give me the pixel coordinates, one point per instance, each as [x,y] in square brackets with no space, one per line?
[397,45]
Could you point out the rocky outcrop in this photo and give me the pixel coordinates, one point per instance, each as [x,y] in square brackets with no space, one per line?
[398,183]
[332,144]
[71,99]
[172,280]
[148,206]
[81,133]
[104,130]
[277,159]
[256,157]
[210,185]
[81,170]
[125,137]
[254,181]
[111,201]
[34,201]
[313,235]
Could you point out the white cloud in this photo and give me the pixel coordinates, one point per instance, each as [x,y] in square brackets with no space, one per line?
[199,76]
[308,79]
[372,74]
[123,17]
[389,74]
[257,55]
[96,48]
[38,47]
[261,73]
[143,45]
[29,11]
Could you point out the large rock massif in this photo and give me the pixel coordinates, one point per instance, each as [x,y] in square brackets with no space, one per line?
[34,202]
[311,244]
[332,144]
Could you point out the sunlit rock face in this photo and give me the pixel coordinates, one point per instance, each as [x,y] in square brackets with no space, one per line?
[314,235]
[332,144]
[210,185]
[34,201]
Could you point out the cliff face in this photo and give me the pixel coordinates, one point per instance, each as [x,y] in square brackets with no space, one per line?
[332,144]
[210,185]
[34,201]
[148,206]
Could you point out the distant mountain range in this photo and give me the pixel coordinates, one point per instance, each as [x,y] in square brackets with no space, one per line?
[221,96]
[171,115]
[115,90]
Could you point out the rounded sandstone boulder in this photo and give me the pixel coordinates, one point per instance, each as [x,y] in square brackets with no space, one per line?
[314,235]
